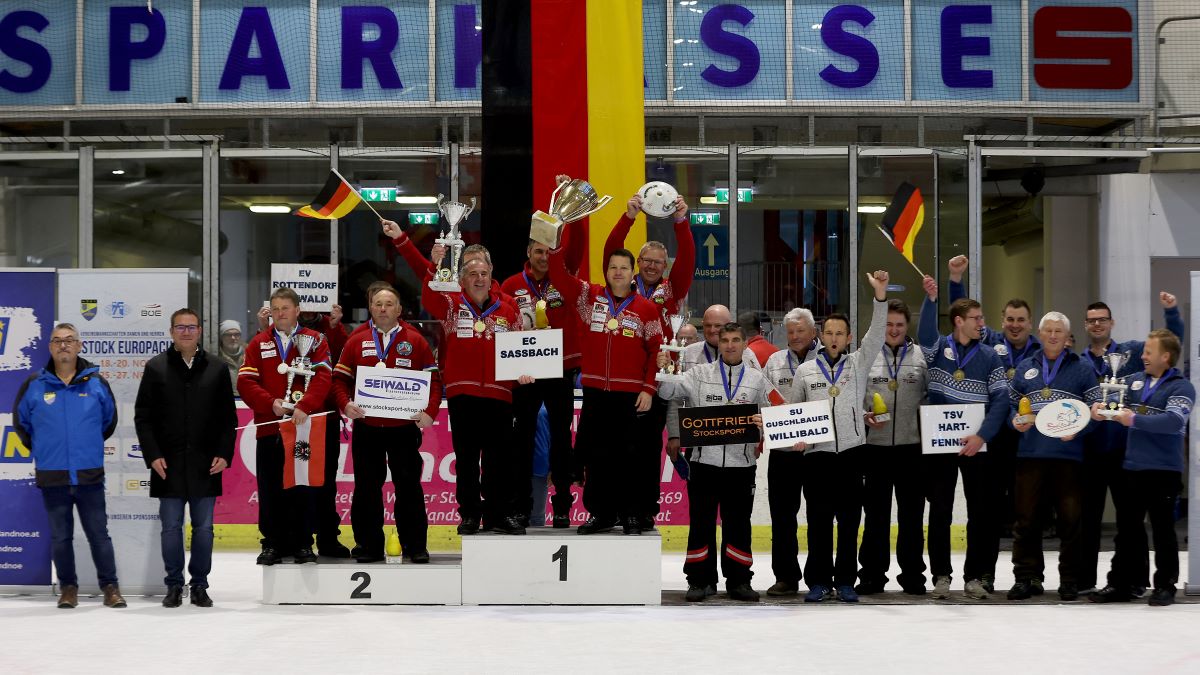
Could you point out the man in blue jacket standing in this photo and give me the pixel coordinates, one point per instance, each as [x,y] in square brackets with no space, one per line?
[1152,473]
[63,414]
[1048,470]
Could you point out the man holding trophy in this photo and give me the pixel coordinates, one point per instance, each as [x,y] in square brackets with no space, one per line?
[285,378]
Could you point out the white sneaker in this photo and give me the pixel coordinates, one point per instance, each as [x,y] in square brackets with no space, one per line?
[975,590]
[941,588]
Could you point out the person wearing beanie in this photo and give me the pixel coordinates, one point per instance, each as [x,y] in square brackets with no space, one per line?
[231,350]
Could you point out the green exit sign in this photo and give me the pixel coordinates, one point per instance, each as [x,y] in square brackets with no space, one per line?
[744,195]
[705,218]
[378,194]
[422,219]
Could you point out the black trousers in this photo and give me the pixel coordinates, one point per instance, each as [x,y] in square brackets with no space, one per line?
[983,537]
[888,469]
[785,484]
[285,517]
[1003,459]
[375,450]
[482,429]
[730,490]
[328,518]
[1102,473]
[1142,493]
[558,395]
[649,455]
[833,490]
[1059,483]
[607,449]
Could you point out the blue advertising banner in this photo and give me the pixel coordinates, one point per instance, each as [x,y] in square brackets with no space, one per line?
[26,321]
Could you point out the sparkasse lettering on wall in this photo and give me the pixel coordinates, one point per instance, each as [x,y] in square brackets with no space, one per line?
[254,52]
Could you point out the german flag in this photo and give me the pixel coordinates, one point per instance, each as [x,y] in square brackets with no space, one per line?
[336,200]
[903,219]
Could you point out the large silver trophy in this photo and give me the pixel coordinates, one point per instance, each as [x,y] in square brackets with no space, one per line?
[570,201]
[301,365]
[670,372]
[446,277]
[1112,385]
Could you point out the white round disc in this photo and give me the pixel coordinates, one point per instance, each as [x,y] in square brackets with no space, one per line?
[658,198]
[1065,417]
[281,369]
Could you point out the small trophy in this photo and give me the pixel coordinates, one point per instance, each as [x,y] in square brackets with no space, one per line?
[570,201]
[446,277]
[879,408]
[1025,412]
[301,365]
[670,372]
[1113,385]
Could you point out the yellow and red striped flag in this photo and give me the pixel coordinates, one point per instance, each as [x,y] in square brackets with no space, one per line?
[903,219]
[336,200]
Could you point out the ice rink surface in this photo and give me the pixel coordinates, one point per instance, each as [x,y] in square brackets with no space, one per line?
[241,635]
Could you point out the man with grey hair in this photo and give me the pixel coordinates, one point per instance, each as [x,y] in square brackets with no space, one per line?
[1049,469]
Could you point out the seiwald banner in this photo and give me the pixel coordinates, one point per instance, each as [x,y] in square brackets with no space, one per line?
[239,504]
[26,321]
[123,317]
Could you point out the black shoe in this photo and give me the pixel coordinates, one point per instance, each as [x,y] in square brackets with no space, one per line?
[269,556]
[1022,590]
[1111,594]
[562,522]
[333,549]
[988,581]
[596,525]
[783,588]
[364,555]
[913,589]
[742,592]
[646,523]
[1162,597]
[523,519]
[509,525]
[868,588]
[468,526]
[418,558]
[304,555]
[200,597]
[1068,592]
[1036,586]
[696,594]
[174,596]
[632,525]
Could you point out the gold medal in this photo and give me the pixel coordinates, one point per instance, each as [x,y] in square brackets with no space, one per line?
[959,375]
[1046,393]
[612,324]
[1010,373]
[540,305]
[893,385]
[834,391]
[1141,410]
[480,326]
[297,395]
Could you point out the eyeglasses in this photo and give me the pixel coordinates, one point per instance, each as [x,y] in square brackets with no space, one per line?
[1098,320]
[651,261]
[63,342]
[185,328]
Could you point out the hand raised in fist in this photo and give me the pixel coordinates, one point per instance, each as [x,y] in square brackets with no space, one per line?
[958,265]
[879,281]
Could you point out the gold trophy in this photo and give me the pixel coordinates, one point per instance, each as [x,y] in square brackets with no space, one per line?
[446,277]
[1113,385]
[670,372]
[302,366]
[570,201]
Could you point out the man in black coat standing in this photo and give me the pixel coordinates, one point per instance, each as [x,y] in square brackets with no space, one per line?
[185,421]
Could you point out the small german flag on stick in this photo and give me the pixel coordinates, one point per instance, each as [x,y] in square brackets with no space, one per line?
[902,221]
[337,199]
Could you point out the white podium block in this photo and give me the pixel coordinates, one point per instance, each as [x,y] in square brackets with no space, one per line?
[560,567]
[351,583]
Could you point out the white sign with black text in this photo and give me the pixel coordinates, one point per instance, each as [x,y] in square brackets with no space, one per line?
[394,393]
[537,353]
[787,425]
[317,285]
[943,427]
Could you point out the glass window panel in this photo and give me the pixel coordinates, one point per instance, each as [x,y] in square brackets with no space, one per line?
[677,131]
[774,130]
[39,213]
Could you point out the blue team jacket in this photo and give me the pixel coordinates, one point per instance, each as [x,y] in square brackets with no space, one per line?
[1075,380]
[1155,441]
[64,425]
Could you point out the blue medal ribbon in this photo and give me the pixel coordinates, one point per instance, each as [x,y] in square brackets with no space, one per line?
[895,375]
[1112,347]
[789,358]
[725,382]
[825,371]
[471,306]
[1012,362]
[283,353]
[382,351]
[644,290]
[962,365]
[1048,373]
[708,356]
[1148,391]
[612,304]
[539,290]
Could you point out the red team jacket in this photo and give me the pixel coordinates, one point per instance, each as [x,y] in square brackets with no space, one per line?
[526,292]
[259,382]
[408,350]
[614,359]
[671,291]
[468,357]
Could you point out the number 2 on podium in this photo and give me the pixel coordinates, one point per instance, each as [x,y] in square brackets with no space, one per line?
[560,556]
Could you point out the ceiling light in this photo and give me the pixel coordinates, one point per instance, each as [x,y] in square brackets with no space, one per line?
[118,172]
[871,208]
[708,199]
[415,199]
[270,208]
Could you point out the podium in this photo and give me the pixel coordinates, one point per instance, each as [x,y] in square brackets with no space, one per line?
[559,567]
[350,583]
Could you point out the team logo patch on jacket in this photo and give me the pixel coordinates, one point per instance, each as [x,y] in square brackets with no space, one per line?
[49,397]
[404,348]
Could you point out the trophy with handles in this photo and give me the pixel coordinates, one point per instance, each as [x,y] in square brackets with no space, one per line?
[570,201]
[446,277]
[1111,385]
[302,366]
[670,372]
